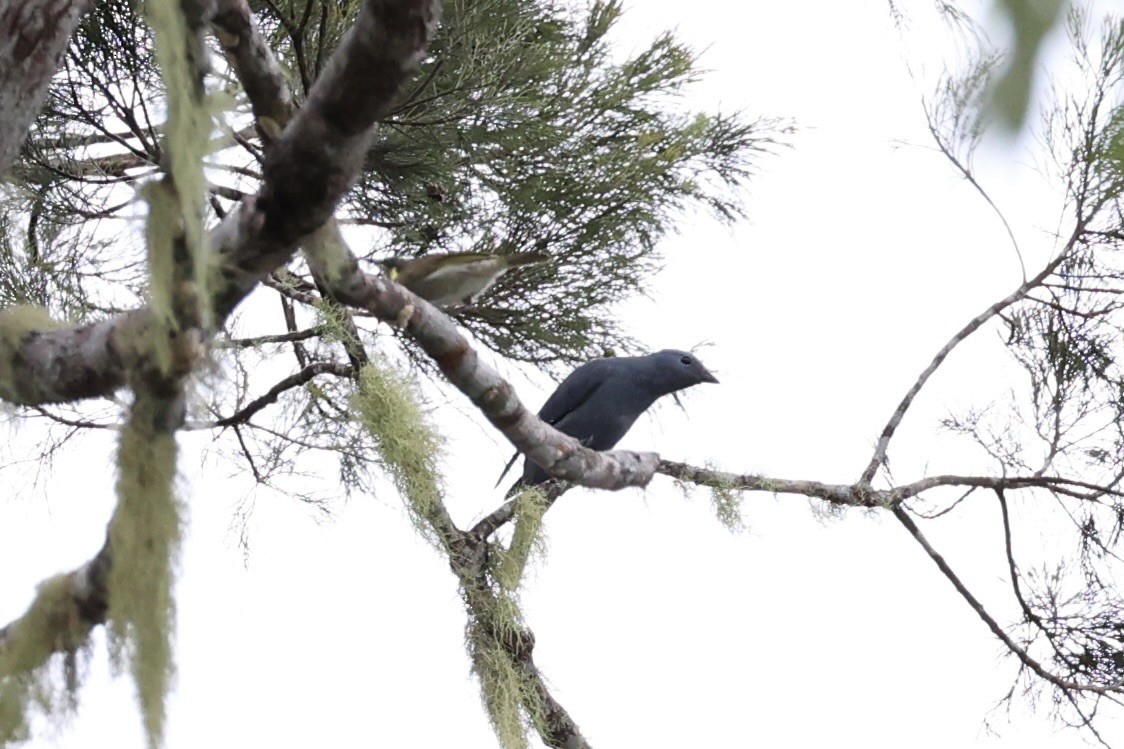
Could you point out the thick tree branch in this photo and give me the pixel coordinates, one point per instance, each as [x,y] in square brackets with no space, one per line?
[256,67]
[321,151]
[336,271]
[81,606]
[312,164]
[33,37]
[272,103]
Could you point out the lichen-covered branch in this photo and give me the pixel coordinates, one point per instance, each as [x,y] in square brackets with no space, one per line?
[311,166]
[502,649]
[862,495]
[58,620]
[847,495]
[513,690]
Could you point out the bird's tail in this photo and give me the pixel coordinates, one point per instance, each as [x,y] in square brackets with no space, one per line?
[526,258]
[507,468]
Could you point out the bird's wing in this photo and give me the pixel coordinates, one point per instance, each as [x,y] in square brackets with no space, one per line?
[575,390]
[459,282]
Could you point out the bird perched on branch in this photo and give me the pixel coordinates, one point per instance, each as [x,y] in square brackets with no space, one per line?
[453,279]
[600,400]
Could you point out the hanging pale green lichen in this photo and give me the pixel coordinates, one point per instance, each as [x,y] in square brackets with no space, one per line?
[335,323]
[725,498]
[387,405]
[16,323]
[530,506]
[182,59]
[145,537]
[501,689]
[145,530]
[509,697]
[727,503]
[52,625]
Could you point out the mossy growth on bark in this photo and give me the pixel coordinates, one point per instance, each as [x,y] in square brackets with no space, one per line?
[530,506]
[507,690]
[726,501]
[16,324]
[50,634]
[182,58]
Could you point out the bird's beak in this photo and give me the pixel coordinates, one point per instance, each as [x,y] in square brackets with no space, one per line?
[709,377]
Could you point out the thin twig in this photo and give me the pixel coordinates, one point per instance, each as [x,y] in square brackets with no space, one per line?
[1023,656]
[973,325]
[270,396]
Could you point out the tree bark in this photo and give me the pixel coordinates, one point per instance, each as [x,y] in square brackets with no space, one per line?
[33,37]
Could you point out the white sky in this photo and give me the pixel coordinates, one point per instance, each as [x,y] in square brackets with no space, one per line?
[655,626]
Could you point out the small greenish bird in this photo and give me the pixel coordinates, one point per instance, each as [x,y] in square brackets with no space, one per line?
[457,278]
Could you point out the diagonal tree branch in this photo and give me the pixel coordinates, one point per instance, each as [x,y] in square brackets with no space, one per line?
[272,104]
[503,514]
[242,415]
[334,266]
[256,67]
[35,36]
[311,166]
[316,154]
[76,600]
[973,325]
[293,337]
[1024,657]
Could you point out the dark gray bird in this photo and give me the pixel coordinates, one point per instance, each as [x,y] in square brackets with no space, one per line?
[453,279]
[601,400]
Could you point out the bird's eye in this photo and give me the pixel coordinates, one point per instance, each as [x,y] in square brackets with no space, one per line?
[685,360]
